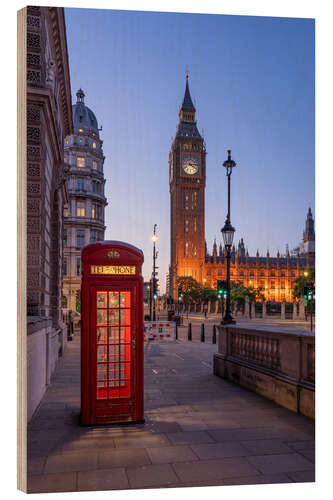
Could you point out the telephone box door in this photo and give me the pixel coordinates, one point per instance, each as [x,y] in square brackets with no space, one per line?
[113,329]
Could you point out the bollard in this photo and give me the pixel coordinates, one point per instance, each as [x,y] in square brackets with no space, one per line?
[189,332]
[214,335]
[202,332]
[176,331]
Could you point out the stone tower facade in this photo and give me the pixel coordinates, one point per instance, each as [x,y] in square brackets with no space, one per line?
[187,179]
[84,216]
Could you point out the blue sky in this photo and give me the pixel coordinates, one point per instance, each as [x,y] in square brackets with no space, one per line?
[252,81]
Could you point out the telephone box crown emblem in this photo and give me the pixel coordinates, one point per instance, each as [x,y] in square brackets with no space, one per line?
[113,254]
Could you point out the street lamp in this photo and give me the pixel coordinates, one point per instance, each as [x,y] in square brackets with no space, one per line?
[228,232]
[154,239]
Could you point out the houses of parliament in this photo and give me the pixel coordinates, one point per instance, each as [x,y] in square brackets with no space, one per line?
[189,255]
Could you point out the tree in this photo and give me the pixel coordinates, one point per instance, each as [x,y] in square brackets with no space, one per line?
[207,294]
[190,288]
[302,280]
[238,292]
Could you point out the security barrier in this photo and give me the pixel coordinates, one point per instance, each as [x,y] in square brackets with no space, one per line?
[158,330]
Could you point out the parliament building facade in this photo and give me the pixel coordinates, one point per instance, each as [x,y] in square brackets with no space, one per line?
[189,256]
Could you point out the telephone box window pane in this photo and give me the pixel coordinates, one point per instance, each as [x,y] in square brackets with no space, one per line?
[114,317]
[101,299]
[113,353]
[125,352]
[125,316]
[101,335]
[102,353]
[125,334]
[125,299]
[113,335]
[101,317]
[113,299]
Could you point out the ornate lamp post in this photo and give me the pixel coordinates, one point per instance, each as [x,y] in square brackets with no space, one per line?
[154,280]
[228,232]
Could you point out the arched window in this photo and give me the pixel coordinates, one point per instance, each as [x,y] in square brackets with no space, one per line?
[186,249]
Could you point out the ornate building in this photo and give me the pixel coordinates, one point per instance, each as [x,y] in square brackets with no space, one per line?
[49,120]
[189,256]
[84,214]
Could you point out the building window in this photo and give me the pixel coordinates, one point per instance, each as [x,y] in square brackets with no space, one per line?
[64,301]
[93,185]
[93,237]
[186,226]
[94,145]
[66,141]
[80,238]
[78,267]
[80,209]
[64,267]
[80,184]
[80,129]
[93,211]
[65,237]
[186,249]
[94,165]
[80,162]
[65,211]
[195,227]
[194,200]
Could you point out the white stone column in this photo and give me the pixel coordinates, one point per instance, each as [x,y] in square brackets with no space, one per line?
[295,316]
[301,315]
[247,308]
[264,310]
[283,309]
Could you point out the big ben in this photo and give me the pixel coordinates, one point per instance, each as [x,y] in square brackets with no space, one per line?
[187,179]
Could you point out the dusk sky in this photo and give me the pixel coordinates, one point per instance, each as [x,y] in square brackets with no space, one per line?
[252,82]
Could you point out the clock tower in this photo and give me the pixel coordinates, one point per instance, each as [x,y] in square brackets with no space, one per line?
[187,179]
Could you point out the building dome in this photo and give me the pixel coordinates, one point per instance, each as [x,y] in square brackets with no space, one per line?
[83,117]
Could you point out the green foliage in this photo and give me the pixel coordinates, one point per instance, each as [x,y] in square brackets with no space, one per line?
[207,294]
[238,292]
[190,288]
[301,281]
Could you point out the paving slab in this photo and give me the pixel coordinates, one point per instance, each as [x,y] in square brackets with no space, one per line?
[171,454]
[274,464]
[152,476]
[52,483]
[99,480]
[219,450]
[71,461]
[207,470]
[123,457]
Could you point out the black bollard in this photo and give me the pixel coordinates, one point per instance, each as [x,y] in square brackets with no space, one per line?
[202,332]
[214,335]
[189,332]
[176,331]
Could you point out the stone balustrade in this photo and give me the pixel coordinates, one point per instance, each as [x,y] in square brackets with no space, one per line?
[277,365]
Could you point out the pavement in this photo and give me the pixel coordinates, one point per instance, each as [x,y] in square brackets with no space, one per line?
[200,430]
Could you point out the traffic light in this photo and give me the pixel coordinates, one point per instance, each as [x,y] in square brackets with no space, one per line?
[180,293]
[156,288]
[305,291]
[222,289]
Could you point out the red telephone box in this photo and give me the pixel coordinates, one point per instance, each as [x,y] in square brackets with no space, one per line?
[112,334]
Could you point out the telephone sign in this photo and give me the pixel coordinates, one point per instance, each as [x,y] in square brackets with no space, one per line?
[112,334]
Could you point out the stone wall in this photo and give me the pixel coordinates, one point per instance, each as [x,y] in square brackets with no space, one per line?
[279,366]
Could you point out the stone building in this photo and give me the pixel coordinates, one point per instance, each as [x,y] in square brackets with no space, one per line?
[189,256]
[84,214]
[49,121]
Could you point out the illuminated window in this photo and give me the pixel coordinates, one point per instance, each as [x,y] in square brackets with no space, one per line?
[186,226]
[79,238]
[65,211]
[80,209]
[194,199]
[80,129]
[186,249]
[94,165]
[93,211]
[94,145]
[186,201]
[195,225]
[66,141]
[195,251]
[80,162]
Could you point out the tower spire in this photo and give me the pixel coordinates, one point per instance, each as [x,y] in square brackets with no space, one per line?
[187,101]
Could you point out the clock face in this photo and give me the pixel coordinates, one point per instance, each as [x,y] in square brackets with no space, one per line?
[190,166]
